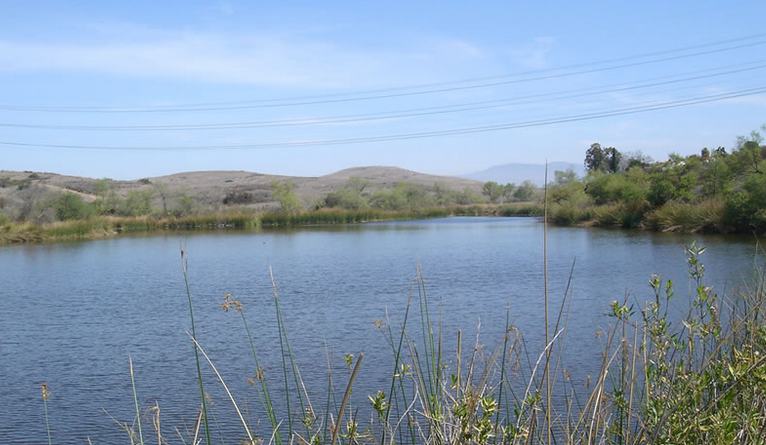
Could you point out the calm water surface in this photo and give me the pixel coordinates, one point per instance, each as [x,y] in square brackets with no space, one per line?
[70,314]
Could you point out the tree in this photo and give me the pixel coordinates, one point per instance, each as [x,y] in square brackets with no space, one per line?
[564,177]
[612,156]
[163,192]
[284,193]
[716,176]
[525,191]
[602,159]
[349,196]
[357,184]
[634,159]
[107,202]
[102,187]
[630,187]
[594,158]
[185,205]
[492,190]
[138,202]
[745,208]
[750,152]
[508,191]
[661,190]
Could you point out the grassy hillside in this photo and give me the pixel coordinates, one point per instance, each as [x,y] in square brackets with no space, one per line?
[48,197]
[36,207]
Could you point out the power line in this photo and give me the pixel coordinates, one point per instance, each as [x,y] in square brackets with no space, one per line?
[420,135]
[408,113]
[494,77]
[378,94]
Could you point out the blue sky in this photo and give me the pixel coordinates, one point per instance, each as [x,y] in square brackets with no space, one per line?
[149,55]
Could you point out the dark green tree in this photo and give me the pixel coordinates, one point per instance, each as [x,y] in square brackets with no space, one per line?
[594,158]
[612,158]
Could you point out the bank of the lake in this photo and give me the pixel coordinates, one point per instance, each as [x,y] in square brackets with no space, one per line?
[692,219]
[98,227]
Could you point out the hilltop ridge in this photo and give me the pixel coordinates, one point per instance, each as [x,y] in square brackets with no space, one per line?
[212,190]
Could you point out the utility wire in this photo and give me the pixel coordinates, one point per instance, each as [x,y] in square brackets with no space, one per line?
[495,77]
[398,114]
[386,93]
[418,135]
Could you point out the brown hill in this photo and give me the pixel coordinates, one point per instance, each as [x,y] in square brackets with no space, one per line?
[209,190]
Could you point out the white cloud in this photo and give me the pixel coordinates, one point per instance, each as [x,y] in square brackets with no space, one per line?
[256,59]
[533,55]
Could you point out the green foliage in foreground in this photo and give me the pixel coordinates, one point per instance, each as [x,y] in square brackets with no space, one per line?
[693,379]
[714,191]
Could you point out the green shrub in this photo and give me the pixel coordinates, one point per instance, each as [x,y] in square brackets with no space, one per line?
[346,199]
[745,207]
[284,194]
[707,216]
[185,206]
[447,197]
[568,202]
[609,188]
[138,203]
[568,214]
[493,191]
[626,215]
[70,206]
[403,196]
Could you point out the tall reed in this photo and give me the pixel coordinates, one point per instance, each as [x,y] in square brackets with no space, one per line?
[204,417]
[135,401]
[231,303]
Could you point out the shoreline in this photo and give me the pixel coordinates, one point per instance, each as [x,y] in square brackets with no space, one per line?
[101,227]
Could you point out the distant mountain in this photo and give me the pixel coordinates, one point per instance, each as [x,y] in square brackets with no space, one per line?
[518,173]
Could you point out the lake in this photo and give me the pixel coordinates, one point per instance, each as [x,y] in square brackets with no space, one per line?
[72,313]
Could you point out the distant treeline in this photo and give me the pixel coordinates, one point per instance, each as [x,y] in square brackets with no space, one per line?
[715,190]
